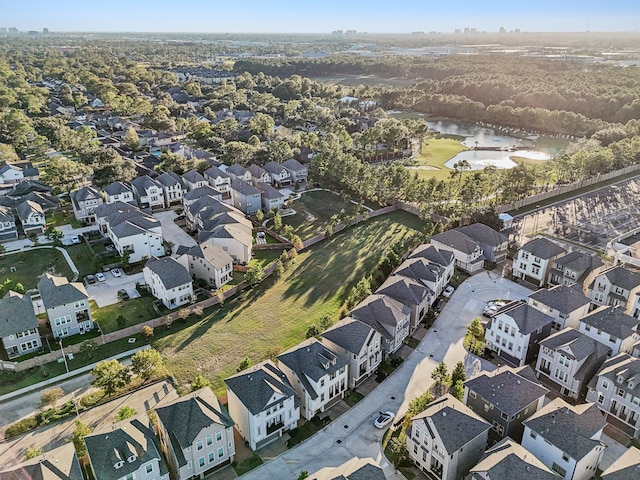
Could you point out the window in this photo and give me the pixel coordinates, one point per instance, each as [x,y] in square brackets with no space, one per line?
[209,439]
[558,469]
[212,457]
[498,428]
[416,431]
[199,445]
[620,392]
[148,468]
[218,435]
[504,416]
[472,394]
[201,462]
[220,452]
[130,476]
[565,457]
[533,434]
[564,361]
[605,384]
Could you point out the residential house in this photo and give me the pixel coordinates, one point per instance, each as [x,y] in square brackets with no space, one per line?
[194,179]
[447,439]
[616,391]
[508,459]
[317,374]
[238,172]
[565,304]
[435,256]
[626,467]
[297,171]
[575,268]
[534,260]
[61,463]
[84,202]
[410,293]
[199,193]
[172,187]
[259,175]
[126,450]
[272,199]
[168,281]
[262,403]
[8,229]
[118,192]
[492,243]
[566,438]
[18,325]
[358,344]
[196,435]
[615,286]
[515,331]
[148,192]
[31,217]
[505,398]
[208,263]
[10,173]
[354,469]
[613,328]
[66,304]
[219,180]
[280,176]
[467,252]
[236,239]
[429,275]
[388,317]
[245,197]
[568,360]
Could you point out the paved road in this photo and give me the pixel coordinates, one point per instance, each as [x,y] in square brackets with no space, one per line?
[353,434]
[172,232]
[106,293]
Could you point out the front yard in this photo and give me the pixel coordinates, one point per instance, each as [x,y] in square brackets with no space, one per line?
[30,265]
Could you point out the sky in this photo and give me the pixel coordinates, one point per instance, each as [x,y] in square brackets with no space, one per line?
[318,16]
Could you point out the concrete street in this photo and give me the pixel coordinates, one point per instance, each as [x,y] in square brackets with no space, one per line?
[172,232]
[106,293]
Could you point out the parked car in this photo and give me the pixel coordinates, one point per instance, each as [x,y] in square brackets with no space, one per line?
[492,308]
[123,295]
[448,291]
[384,419]
[75,239]
[116,272]
[89,279]
[100,277]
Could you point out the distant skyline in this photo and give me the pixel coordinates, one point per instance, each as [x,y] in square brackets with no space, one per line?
[324,16]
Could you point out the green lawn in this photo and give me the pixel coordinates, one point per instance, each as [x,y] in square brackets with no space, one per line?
[435,153]
[62,217]
[265,257]
[136,310]
[86,262]
[30,265]
[313,212]
[262,322]
[247,464]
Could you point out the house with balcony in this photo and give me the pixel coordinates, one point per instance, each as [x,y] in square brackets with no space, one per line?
[262,403]
[443,258]
[172,188]
[534,260]
[390,318]
[317,374]
[118,192]
[245,197]
[208,263]
[568,360]
[615,286]
[467,252]
[219,180]
[616,391]
[168,281]
[126,450]
[297,171]
[8,229]
[564,304]
[259,175]
[625,467]
[66,304]
[61,463]
[505,398]
[515,332]
[566,438]
[358,344]
[447,439]
[196,435]
[31,217]
[613,328]
[18,325]
[429,275]
[280,176]
[493,244]
[84,203]
[148,192]
[575,268]
[410,293]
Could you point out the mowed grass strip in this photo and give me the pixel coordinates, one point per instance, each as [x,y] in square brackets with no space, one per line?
[435,153]
[313,212]
[30,265]
[273,317]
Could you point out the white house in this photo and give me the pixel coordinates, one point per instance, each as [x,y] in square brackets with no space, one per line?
[194,179]
[297,171]
[435,256]
[172,187]
[84,203]
[168,281]
[388,317]
[534,259]
[411,293]
[271,198]
[118,192]
[31,217]
[566,438]
[8,229]
[66,304]
[208,263]
[428,274]
[236,239]
[262,403]
[613,328]
[493,244]
[219,180]
[18,325]
[258,175]
[575,268]
[280,176]
[615,286]
[467,252]
[238,172]
[148,192]
[564,304]
[317,374]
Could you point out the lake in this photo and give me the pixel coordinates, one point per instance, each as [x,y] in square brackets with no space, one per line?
[479,159]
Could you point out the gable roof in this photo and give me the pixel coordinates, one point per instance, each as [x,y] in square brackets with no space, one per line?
[193,176]
[355,469]
[256,386]
[61,463]
[268,191]
[293,165]
[543,248]
[236,170]
[350,334]
[243,187]
[433,255]
[6,214]
[561,298]
[484,234]
[626,467]
[215,172]
[274,168]
[170,179]
[202,192]
[212,254]
[457,241]
[28,207]
[236,231]
[256,171]
[381,312]
[613,321]
[16,314]
[621,277]
[404,289]
[622,366]
[144,183]
[171,273]
[84,194]
[116,188]
[56,291]
[527,318]
[419,269]
[580,347]
[579,262]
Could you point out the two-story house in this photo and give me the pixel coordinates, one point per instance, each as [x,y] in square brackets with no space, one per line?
[238,172]
[492,243]
[410,293]
[358,344]
[317,374]
[616,391]
[575,268]
[208,263]
[18,325]
[84,203]
[297,171]
[118,192]
[534,259]
[564,304]
[388,317]
[280,176]
[168,281]
[66,304]
[259,175]
[568,360]
[467,252]
[626,467]
[505,398]
[613,328]
[566,438]
[196,435]
[194,179]
[515,332]
[219,180]
[61,463]
[447,439]
[31,217]
[234,238]
[615,286]
[172,187]
[429,275]
[245,197]
[262,403]
[271,198]
[8,229]
[148,192]
[435,256]
[355,469]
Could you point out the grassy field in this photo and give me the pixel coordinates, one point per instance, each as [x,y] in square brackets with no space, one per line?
[86,262]
[435,153]
[62,217]
[135,311]
[31,264]
[263,322]
[313,212]
[265,258]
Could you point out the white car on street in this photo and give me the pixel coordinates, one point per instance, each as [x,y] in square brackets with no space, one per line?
[100,277]
[448,291]
[384,419]
[116,272]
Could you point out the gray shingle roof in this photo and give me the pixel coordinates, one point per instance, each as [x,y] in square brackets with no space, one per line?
[621,277]
[202,192]
[612,320]
[484,234]
[576,345]
[215,172]
[433,255]
[256,171]
[169,179]
[625,366]
[193,176]
[144,183]
[116,188]
[510,391]
[24,209]
[171,273]
[355,469]
[58,464]
[256,386]
[626,467]
[542,248]
[419,269]
[579,262]
[274,167]
[382,313]
[268,191]
[293,165]
[567,427]
[561,298]
[85,193]
[527,318]
[211,253]
[243,187]
[457,241]
[6,214]
[350,334]
[406,290]
[237,170]
[56,291]
[16,314]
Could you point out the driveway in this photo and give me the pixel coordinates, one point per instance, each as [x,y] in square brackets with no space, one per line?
[172,232]
[353,434]
[106,293]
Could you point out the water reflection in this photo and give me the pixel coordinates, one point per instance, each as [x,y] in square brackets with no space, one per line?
[478,136]
[479,159]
